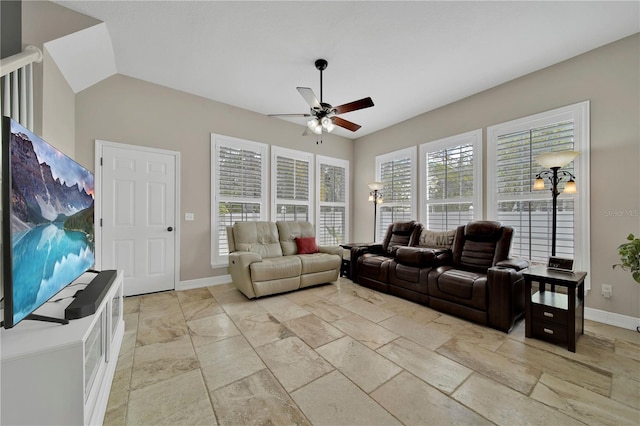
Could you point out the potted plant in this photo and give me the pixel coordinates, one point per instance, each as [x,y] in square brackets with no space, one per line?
[630,257]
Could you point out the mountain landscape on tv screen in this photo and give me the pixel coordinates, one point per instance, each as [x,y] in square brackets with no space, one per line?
[38,197]
[51,219]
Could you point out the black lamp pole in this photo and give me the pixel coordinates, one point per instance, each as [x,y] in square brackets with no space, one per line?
[554,176]
[375,195]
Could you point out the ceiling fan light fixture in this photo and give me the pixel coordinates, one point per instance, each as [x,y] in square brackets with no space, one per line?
[327,124]
[315,126]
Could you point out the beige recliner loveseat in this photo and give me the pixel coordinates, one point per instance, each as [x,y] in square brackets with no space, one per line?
[267,258]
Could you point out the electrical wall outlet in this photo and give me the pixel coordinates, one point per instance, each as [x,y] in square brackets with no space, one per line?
[189,216]
[606,291]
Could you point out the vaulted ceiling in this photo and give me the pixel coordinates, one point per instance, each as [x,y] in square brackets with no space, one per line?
[410,57]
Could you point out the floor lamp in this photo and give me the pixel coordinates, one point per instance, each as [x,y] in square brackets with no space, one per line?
[555,161]
[376,196]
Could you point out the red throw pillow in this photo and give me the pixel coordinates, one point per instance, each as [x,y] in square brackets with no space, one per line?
[307,245]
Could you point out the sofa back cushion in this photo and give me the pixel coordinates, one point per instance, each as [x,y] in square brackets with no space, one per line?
[291,230]
[436,239]
[401,234]
[257,237]
[479,245]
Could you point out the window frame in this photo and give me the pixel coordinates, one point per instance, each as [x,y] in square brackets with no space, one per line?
[411,153]
[335,162]
[473,137]
[218,141]
[276,152]
[579,113]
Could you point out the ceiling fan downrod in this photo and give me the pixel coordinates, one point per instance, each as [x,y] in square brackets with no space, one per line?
[321,65]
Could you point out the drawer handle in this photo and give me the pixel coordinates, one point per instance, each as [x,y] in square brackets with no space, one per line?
[547,330]
[548,314]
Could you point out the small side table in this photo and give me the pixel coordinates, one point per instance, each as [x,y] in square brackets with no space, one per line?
[345,268]
[553,316]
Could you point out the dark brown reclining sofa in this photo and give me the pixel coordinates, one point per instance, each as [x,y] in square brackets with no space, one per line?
[473,279]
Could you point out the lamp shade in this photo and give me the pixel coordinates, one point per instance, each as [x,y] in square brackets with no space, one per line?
[315,126]
[538,184]
[327,124]
[570,187]
[376,186]
[556,159]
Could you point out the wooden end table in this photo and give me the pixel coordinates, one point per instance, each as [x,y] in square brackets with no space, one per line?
[553,316]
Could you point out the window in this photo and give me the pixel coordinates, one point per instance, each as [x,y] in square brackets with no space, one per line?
[291,176]
[397,171]
[451,178]
[239,168]
[511,200]
[332,183]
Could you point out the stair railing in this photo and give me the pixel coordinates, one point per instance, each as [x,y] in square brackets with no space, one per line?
[16,85]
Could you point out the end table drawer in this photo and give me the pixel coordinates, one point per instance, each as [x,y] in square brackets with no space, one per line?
[546,313]
[550,331]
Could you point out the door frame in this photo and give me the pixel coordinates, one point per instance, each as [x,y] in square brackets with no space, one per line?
[99,145]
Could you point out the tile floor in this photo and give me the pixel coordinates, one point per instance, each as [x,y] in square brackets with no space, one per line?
[341,354]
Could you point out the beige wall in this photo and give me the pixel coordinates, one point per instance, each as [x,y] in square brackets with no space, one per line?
[610,78]
[58,108]
[126,110]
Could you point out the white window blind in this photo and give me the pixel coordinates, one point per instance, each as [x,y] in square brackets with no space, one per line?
[332,185]
[527,210]
[238,173]
[397,171]
[511,199]
[291,177]
[452,178]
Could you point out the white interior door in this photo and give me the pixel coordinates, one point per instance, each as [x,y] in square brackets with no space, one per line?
[137,209]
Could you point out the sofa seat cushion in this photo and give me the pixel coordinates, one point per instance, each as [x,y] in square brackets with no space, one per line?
[408,277]
[463,287]
[319,262]
[276,268]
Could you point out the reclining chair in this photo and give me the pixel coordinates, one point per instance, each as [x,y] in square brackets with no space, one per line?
[481,283]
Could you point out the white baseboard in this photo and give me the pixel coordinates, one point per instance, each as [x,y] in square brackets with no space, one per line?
[611,318]
[203,282]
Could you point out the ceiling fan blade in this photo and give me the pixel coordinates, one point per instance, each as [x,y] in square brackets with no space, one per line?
[353,106]
[345,124]
[307,132]
[289,115]
[309,96]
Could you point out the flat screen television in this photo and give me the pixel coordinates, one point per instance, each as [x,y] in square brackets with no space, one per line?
[47,221]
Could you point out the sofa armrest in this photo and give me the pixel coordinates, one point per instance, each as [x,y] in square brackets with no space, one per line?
[358,251]
[331,250]
[517,264]
[421,257]
[366,248]
[505,287]
[239,268]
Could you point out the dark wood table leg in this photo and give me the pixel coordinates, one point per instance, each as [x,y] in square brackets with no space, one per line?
[571,336]
[527,307]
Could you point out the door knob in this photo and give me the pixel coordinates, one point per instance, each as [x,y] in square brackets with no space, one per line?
[170,229]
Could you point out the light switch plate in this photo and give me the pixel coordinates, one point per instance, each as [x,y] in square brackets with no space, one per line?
[189,216]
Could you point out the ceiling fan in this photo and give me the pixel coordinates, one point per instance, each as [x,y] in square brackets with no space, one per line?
[325,116]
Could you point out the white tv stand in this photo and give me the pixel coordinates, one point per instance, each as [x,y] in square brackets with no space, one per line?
[61,374]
